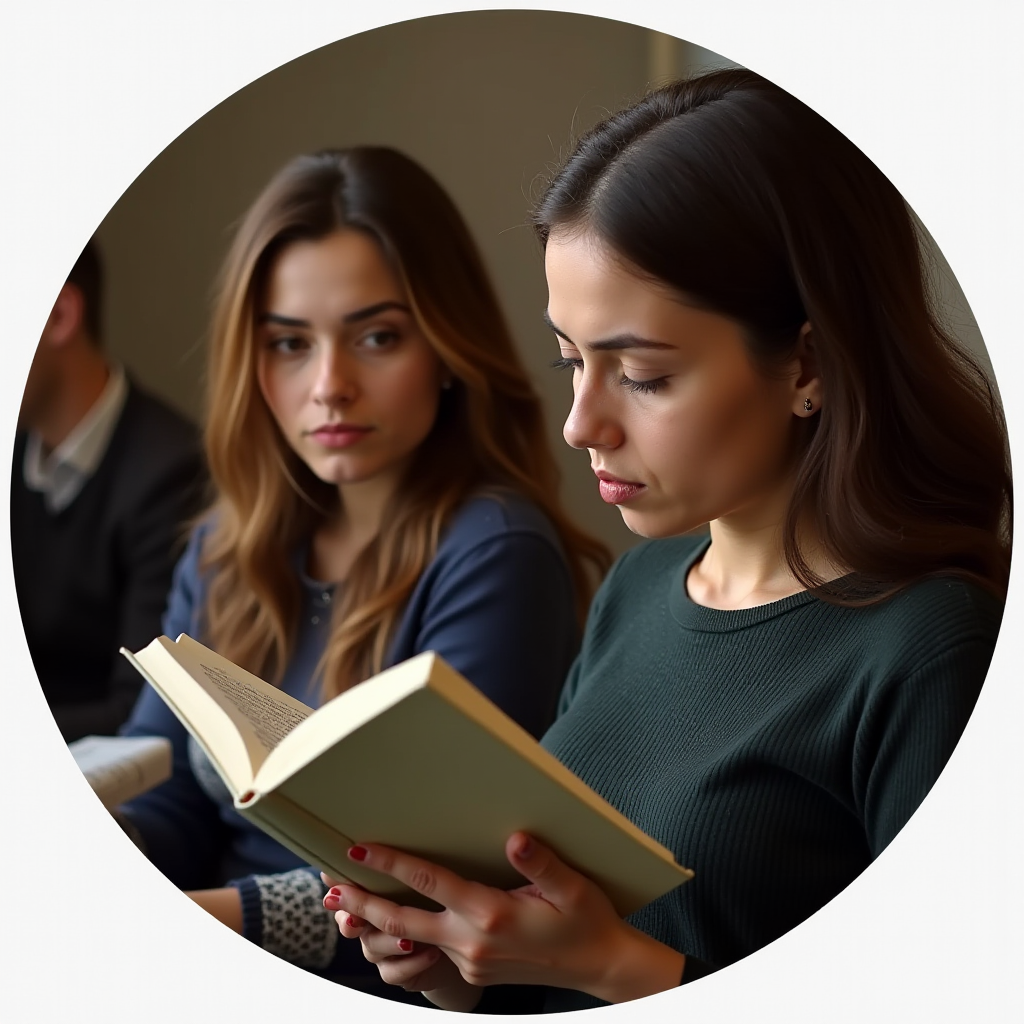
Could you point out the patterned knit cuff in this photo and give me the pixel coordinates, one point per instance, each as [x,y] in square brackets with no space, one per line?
[252,910]
[293,923]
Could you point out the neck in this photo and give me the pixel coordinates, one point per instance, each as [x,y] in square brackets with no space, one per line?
[363,504]
[83,377]
[338,542]
[745,565]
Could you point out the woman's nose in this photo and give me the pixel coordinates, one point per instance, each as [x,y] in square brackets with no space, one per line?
[593,420]
[336,380]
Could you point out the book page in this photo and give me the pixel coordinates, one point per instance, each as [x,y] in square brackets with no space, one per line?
[270,719]
[262,713]
[235,716]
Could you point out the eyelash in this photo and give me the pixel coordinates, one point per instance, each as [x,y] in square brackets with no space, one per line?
[290,344]
[280,344]
[643,387]
[389,337]
[567,364]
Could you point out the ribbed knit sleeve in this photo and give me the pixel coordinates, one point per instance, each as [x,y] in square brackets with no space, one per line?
[908,734]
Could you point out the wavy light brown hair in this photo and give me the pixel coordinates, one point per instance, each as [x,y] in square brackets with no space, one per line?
[489,433]
[752,206]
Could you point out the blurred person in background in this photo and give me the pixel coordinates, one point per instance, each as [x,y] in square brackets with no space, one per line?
[103,480]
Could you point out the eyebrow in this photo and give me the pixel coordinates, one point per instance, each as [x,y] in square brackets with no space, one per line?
[619,341]
[349,318]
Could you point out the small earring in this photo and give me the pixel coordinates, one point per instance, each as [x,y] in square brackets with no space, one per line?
[808,404]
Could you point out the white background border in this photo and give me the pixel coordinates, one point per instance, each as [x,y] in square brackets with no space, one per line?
[91,92]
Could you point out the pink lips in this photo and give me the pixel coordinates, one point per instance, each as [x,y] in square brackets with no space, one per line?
[339,435]
[615,491]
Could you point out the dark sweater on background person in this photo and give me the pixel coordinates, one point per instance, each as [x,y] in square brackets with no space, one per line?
[775,750]
[95,575]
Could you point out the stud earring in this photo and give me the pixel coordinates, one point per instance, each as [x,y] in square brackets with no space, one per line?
[808,404]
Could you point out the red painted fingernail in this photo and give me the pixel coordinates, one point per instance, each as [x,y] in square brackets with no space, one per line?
[335,891]
[526,848]
[352,922]
[357,852]
[405,945]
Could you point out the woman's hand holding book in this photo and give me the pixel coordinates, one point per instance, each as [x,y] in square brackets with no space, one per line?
[559,929]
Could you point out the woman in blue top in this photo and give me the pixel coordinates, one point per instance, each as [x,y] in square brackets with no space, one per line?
[738,294]
[383,486]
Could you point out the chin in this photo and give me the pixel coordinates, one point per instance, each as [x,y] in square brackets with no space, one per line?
[338,475]
[657,527]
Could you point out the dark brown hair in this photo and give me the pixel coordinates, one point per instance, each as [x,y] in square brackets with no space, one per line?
[489,433]
[752,206]
[87,276]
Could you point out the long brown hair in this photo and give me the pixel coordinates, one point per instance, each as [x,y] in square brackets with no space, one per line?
[489,431]
[752,206]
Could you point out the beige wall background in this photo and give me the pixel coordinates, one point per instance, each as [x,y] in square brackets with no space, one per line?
[487,101]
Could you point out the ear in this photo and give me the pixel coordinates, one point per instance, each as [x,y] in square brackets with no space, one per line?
[806,381]
[66,319]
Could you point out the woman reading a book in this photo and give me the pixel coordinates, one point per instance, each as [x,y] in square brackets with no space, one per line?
[383,487]
[737,293]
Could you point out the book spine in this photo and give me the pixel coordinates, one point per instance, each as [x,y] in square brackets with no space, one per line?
[321,845]
[266,811]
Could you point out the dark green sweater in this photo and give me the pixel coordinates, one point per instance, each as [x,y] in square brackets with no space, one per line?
[775,750]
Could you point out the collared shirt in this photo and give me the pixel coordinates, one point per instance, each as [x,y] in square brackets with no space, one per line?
[62,474]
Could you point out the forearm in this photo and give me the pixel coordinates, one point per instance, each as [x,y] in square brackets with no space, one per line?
[635,966]
[223,904]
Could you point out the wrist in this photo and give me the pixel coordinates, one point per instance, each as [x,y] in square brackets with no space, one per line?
[223,904]
[251,906]
[461,997]
[636,966]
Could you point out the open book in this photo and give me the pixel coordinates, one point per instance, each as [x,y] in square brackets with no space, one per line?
[415,758]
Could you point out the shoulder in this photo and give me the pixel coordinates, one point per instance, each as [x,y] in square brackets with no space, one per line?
[497,540]
[648,565]
[932,617]
[190,564]
[154,460]
[149,419]
[668,552]
[495,518]
[187,596]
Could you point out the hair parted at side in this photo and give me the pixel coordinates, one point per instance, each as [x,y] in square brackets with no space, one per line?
[752,206]
[489,433]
